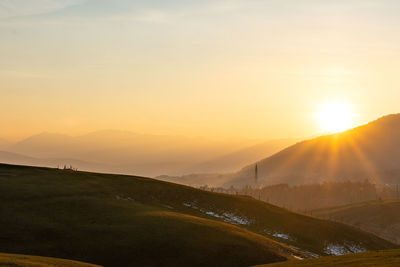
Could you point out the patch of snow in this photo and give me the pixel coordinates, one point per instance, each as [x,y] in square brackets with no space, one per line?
[168,207]
[347,248]
[311,254]
[229,217]
[279,235]
[190,205]
[283,236]
[232,218]
[225,216]
[297,257]
[210,213]
[354,248]
[337,250]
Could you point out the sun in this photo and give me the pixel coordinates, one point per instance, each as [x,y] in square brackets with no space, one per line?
[335,117]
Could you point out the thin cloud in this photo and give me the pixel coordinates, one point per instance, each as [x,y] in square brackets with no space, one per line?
[20,8]
[142,11]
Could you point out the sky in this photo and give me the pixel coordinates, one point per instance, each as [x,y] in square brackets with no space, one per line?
[257,69]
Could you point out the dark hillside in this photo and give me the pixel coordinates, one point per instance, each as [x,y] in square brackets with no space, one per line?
[116,220]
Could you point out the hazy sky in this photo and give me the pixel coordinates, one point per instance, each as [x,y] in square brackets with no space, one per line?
[250,68]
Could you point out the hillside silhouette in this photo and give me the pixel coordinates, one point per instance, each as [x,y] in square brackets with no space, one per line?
[366,152]
[116,220]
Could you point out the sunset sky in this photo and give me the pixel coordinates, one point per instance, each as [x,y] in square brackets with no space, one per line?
[258,69]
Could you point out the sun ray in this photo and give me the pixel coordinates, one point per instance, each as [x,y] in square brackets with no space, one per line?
[369,167]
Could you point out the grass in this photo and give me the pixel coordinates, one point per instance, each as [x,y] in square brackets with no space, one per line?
[389,258]
[379,217]
[116,220]
[17,260]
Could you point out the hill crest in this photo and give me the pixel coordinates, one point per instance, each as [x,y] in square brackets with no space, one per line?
[357,154]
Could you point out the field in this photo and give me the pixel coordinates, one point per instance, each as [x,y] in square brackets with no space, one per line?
[379,217]
[389,258]
[16,260]
[117,220]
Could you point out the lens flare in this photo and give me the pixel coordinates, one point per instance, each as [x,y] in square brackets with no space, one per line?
[335,117]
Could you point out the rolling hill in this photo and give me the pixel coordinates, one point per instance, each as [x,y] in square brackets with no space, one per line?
[18,260]
[379,217]
[117,220]
[387,258]
[366,152]
[14,158]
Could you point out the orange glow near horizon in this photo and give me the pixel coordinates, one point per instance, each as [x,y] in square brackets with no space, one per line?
[190,68]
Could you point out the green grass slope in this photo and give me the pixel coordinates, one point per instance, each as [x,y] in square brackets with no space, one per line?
[18,260]
[116,220]
[388,258]
[379,217]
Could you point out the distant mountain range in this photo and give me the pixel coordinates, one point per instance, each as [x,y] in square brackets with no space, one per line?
[4,143]
[235,160]
[140,154]
[371,151]
[368,152]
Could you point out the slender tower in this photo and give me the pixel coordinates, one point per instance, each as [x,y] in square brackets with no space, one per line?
[256,174]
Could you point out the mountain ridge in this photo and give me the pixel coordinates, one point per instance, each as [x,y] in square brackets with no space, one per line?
[357,154]
[142,154]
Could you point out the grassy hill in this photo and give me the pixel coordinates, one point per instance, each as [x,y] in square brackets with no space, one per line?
[369,151]
[117,220]
[388,258]
[379,217]
[18,260]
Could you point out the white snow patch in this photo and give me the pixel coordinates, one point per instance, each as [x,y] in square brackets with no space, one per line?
[232,218]
[279,235]
[210,213]
[313,255]
[354,248]
[229,217]
[337,250]
[297,257]
[190,205]
[283,236]
[225,216]
[347,248]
